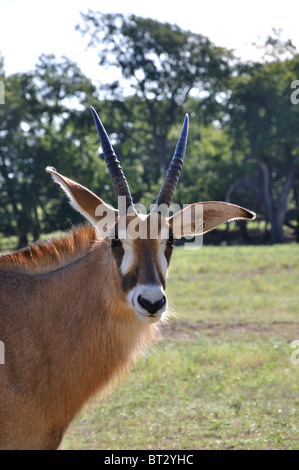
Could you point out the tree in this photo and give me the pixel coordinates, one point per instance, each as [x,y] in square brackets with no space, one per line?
[161,65]
[264,123]
[36,129]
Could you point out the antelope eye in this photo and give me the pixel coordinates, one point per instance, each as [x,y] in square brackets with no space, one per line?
[115,242]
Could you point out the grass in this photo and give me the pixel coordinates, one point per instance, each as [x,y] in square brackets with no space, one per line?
[10,243]
[221,377]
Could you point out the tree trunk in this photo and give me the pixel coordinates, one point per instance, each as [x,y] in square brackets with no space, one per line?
[20,220]
[10,189]
[23,240]
[161,149]
[36,225]
[276,213]
[297,211]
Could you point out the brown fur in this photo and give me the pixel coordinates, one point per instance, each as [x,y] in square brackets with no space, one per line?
[65,319]
[67,334]
[57,252]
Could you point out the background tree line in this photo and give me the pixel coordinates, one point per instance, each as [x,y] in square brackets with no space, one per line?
[243,145]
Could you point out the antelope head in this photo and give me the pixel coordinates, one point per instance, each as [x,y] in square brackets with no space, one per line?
[141,245]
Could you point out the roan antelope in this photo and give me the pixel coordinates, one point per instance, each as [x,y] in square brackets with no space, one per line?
[76,312]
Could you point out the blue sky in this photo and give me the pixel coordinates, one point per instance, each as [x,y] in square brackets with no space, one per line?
[29,28]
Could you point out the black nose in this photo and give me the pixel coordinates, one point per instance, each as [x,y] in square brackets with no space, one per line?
[149,306]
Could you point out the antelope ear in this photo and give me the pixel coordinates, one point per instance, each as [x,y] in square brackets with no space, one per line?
[85,201]
[201,217]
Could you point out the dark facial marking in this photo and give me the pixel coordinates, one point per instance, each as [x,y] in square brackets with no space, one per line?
[151,271]
[169,247]
[129,280]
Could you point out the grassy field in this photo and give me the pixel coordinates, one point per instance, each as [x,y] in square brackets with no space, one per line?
[221,377]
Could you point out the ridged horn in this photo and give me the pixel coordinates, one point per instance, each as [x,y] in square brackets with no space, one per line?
[172,176]
[119,182]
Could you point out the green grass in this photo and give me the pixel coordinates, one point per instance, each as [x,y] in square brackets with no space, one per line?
[221,377]
[10,243]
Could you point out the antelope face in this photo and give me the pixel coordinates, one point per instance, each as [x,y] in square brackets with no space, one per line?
[142,254]
[141,246]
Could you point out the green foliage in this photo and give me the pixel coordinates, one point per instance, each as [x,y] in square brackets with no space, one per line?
[263,111]
[40,125]
[264,125]
[243,126]
[208,155]
[161,65]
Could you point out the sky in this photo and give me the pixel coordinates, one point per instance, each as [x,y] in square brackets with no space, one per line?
[29,28]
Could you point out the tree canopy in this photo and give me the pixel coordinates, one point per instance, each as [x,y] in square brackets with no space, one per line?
[264,125]
[243,144]
[161,65]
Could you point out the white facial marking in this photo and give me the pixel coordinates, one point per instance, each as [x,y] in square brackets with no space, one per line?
[152,293]
[162,260]
[128,259]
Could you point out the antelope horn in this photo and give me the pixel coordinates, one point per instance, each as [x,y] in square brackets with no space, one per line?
[170,182]
[119,182]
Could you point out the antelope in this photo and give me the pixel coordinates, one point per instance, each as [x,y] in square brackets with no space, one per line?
[76,312]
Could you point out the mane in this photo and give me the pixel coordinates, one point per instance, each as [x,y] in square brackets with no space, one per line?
[49,255]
